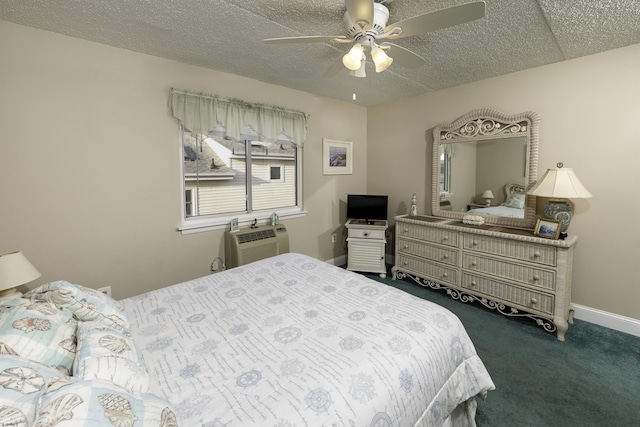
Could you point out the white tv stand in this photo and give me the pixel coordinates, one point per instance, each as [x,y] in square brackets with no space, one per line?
[366,246]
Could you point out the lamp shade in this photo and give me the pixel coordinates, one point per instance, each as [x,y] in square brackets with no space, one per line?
[488,194]
[16,270]
[560,183]
[381,59]
[352,59]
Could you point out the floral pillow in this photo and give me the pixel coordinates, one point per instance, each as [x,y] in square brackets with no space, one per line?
[99,404]
[22,382]
[107,354]
[515,201]
[38,331]
[86,304]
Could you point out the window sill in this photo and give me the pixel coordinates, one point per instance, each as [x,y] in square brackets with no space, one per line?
[198,225]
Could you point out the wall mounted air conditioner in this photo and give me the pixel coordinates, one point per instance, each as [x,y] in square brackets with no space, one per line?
[252,244]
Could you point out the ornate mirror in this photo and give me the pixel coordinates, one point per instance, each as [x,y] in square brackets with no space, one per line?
[483,164]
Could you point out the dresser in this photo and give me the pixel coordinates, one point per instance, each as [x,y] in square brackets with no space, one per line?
[366,246]
[506,269]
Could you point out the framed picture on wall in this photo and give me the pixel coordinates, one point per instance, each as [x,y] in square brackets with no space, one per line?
[337,157]
[547,228]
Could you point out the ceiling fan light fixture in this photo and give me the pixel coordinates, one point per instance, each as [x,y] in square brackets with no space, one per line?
[352,59]
[381,59]
[360,72]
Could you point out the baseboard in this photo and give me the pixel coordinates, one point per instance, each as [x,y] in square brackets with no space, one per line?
[608,320]
[339,261]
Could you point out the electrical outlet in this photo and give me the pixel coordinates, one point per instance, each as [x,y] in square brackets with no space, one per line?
[106,290]
[334,238]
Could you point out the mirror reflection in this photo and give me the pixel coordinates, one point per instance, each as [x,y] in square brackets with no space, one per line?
[483,163]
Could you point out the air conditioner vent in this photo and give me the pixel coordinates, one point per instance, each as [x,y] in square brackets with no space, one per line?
[249,245]
[253,236]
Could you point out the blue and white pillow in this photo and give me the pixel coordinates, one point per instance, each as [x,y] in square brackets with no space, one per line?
[38,331]
[515,201]
[107,354]
[22,383]
[99,404]
[86,304]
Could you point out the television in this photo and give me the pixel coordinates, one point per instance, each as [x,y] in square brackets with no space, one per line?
[367,207]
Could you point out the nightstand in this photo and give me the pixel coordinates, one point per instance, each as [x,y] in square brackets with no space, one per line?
[366,246]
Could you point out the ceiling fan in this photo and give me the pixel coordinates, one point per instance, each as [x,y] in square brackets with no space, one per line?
[366,21]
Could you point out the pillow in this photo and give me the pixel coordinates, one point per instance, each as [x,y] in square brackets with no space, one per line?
[38,331]
[515,201]
[99,404]
[86,304]
[22,382]
[107,354]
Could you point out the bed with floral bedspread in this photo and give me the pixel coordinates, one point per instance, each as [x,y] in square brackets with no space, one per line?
[293,341]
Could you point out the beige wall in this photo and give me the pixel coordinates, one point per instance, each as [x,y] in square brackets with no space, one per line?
[89,162]
[590,112]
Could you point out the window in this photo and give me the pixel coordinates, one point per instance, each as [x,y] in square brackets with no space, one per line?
[229,172]
[276,173]
[225,178]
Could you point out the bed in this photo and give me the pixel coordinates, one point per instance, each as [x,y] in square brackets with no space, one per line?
[293,341]
[513,206]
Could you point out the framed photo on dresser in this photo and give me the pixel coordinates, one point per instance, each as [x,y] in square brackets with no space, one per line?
[547,228]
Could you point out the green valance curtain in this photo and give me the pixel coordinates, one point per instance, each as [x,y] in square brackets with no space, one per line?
[202,113]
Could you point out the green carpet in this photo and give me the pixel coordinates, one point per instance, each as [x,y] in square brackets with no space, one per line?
[590,379]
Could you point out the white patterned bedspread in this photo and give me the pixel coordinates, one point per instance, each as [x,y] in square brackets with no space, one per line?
[500,210]
[293,341]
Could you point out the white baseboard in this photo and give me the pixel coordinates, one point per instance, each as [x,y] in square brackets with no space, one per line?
[608,320]
[592,315]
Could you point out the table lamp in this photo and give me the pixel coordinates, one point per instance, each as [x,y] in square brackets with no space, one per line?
[15,270]
[559,184]
[487,196]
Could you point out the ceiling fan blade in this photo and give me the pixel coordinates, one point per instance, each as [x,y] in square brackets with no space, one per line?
[360,12]
[439,19]
[404,57]
[335,68]
[305,39]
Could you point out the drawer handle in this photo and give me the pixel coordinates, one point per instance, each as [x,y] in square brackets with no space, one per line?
[445,238]
[474,243]
[406,230]
[406,246]
[445,274]
[405,263]
[474,283]
[536,254]
[534,301]
[536,277]
[446,257]
[366,234]
[474,263]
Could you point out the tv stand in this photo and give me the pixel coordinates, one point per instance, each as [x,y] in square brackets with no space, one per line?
[366,244]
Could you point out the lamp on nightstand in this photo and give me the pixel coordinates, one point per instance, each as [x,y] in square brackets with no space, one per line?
[487,196]
[15,270]
[559,184]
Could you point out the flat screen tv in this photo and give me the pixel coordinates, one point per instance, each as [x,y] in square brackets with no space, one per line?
[367,207]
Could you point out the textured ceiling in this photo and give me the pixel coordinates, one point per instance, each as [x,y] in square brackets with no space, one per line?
[226,35]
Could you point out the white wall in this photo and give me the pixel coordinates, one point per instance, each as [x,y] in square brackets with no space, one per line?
[590,116]
[89,162]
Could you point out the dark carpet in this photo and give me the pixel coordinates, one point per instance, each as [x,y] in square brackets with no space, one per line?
[590,379]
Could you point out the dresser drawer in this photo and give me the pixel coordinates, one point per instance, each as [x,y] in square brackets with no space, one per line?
[434,235]
[545,279]
[524,251]
[425,250]
[431,270]
[359,233]
[509,294]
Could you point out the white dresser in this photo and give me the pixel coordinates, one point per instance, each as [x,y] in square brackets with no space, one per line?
[506,269]
[366,246]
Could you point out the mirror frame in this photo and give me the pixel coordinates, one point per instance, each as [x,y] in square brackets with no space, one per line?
[486,124]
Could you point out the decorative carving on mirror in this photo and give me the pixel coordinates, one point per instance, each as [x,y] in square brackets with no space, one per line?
[486,150]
